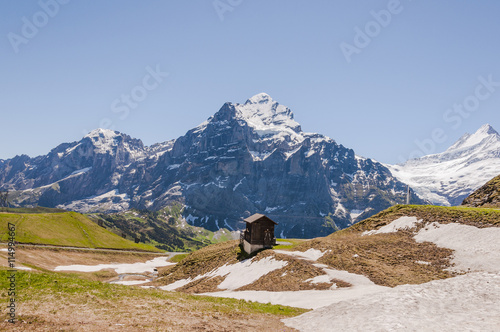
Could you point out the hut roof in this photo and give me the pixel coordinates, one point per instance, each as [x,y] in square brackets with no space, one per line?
[256,217]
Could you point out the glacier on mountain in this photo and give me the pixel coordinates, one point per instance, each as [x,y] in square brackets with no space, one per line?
[447,178]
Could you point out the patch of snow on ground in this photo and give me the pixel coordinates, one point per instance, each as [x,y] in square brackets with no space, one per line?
[111,200]
[245,273]
[180,283]
[81,171]
[404,223]
[319,279]
[423,262]
[272,209]
[477,249]
[259,156]
[238,184]
[311,299]
[173,166]
[356,213]
[464,303]
[307,299]
[120,268]
[129,282]
[237,275]
[23,268]
[310,254]
[352,278]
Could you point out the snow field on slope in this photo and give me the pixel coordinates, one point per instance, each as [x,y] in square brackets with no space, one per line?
[310,254]
[310,299]
[147,266]
[475,249]
[237,275]
[468,302]
[465,303]
[400,223]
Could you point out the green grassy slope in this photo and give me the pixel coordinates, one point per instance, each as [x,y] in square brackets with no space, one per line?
[64,229]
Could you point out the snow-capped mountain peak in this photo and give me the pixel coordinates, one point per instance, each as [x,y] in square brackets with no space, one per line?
[263,115]
[102,134]
[482,134]
[266,115]
[260,98]
[107,141]
[103,139]
[447,178]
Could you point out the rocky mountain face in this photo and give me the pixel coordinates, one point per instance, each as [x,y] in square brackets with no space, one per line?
[78,172]
[486,196]
[447,178]
[247,158]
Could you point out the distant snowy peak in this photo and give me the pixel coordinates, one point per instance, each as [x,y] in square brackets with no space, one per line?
[260,98]
[448,177]
[107,141]
[485,134]
[100,133]
[263,113]
[103,139]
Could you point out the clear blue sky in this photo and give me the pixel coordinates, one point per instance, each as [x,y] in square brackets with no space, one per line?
[69,76]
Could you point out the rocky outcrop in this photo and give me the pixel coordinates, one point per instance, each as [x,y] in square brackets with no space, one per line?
[486,196]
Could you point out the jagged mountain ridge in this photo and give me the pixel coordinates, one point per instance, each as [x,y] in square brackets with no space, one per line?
[447,178]
[251,157]
[72,171]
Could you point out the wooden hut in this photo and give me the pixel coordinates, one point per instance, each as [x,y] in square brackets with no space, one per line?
[258,234]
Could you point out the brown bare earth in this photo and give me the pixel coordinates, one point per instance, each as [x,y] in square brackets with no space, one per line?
[386,259]
[203,285]
[202,261]
[59,303]
[56,314]
[292,277]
